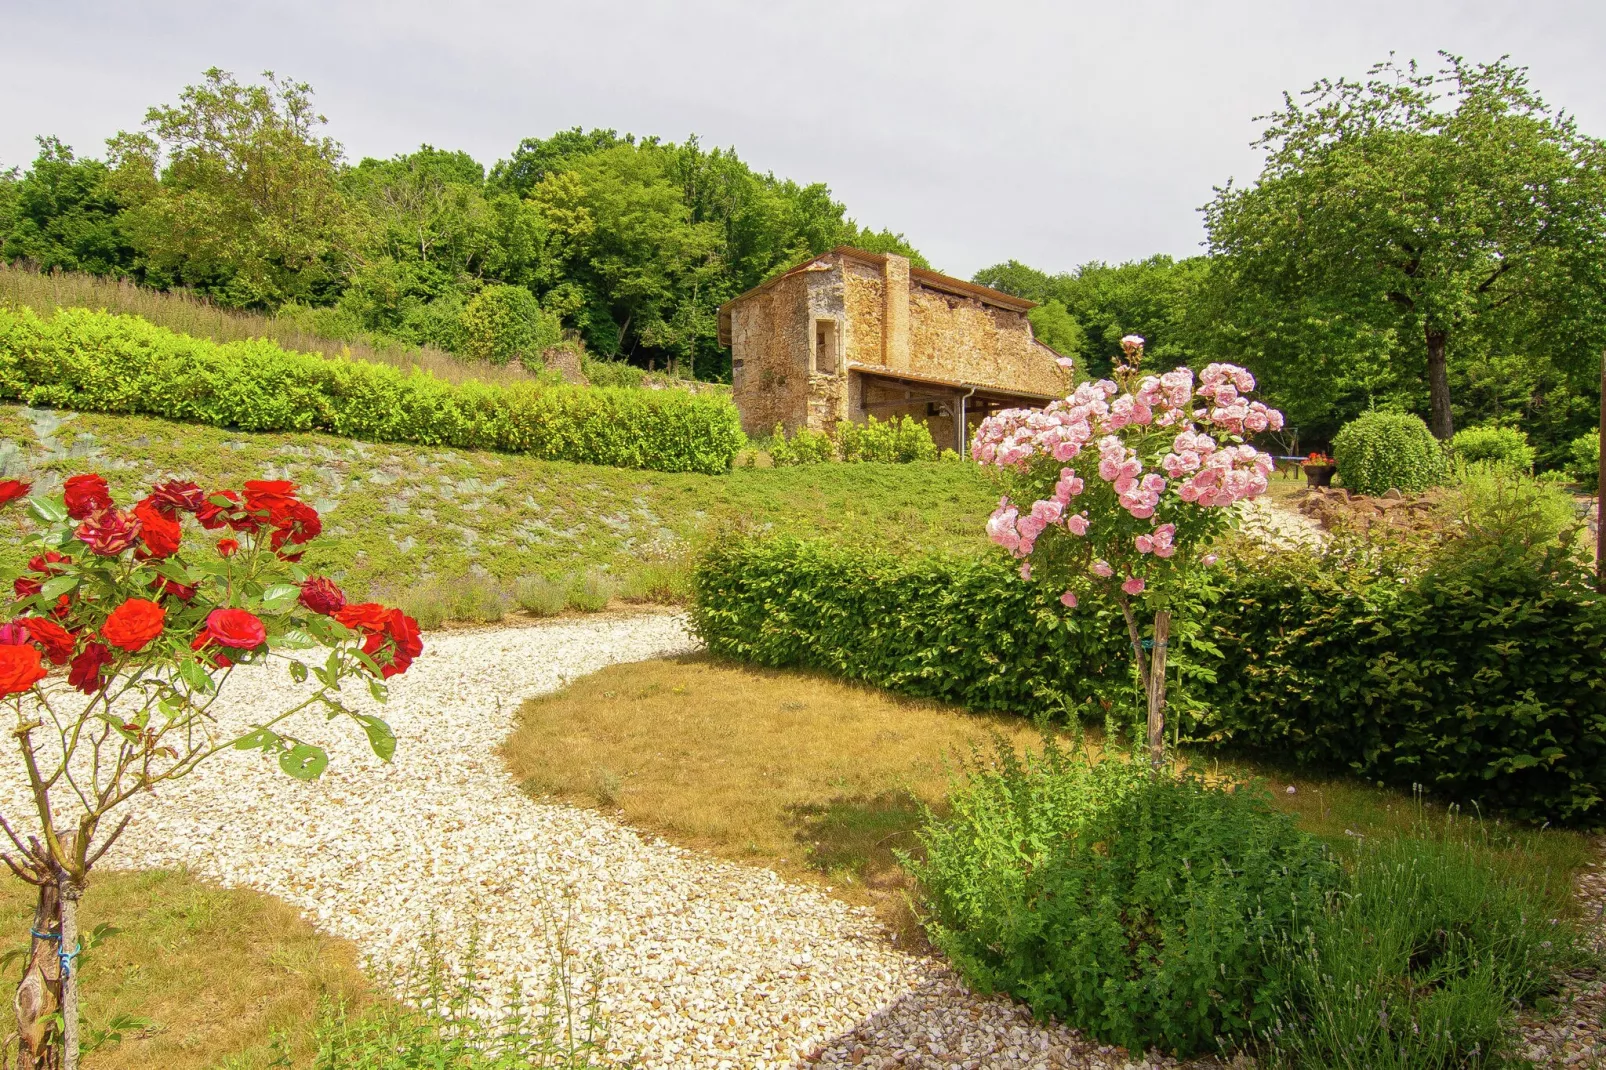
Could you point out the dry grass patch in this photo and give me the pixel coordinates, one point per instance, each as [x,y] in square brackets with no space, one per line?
[217,974]
[818,779]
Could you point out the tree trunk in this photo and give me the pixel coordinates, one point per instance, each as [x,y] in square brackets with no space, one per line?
[39,994]
[1156,690]
[69,893]
[1439,386]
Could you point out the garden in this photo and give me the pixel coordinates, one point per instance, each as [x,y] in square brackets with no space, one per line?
[414,665]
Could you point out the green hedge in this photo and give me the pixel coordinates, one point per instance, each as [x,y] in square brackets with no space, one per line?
[956,629]
[1484,684]
[99,362]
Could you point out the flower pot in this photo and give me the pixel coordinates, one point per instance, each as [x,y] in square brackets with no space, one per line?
[1319,475]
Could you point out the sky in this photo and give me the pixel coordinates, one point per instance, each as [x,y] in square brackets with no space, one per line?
[1051,133]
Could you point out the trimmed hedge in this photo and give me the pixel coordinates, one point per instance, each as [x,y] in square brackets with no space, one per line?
[1493,445]
[1484,684]
[1380,451]
[99,362]
[957,629]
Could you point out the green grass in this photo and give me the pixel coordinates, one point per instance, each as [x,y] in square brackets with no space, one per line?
[419,522]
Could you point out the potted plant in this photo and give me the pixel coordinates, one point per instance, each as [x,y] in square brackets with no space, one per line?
[1319,469]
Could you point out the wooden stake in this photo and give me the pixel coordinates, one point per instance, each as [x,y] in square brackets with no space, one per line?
[1600,488]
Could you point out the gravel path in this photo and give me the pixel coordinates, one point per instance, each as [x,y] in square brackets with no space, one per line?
[703,963]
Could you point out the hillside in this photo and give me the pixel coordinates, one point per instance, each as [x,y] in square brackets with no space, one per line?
[400,518]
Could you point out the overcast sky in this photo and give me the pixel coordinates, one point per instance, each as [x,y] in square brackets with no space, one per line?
[1053,133]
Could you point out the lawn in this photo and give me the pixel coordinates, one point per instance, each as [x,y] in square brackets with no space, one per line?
[399,517]
[218,977]
[823,780]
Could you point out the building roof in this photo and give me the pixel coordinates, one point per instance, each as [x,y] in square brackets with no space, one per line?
[881,371]
[932,280]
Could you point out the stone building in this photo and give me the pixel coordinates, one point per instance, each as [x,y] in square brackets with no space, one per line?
[850,334]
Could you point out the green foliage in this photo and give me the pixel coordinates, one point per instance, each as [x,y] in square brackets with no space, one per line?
[1406,229]
[1054,326]
[958,629]
[504,323]
[1473,669]
[1380,451]
[1146,910]
[1423,961]
[1583,460]
[1493,445]
[64,215]
[899,440]
[1504,514]
[96,362]
[894,441]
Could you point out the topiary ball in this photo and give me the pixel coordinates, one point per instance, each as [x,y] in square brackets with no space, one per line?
[1380,451]
[1505,446]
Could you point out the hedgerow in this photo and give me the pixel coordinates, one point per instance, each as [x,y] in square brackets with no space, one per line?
[99,362]
[1481,681]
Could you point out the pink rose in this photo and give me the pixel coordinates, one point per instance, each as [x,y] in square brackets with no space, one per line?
[1102,569]
[1133,586]
[1068,599]
[1076,524]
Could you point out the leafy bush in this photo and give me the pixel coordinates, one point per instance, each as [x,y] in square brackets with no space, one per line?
[503,323]
[470,597]
[612,373]
[1422,962]
[1380,451]
[1145,909]
[1583,460]
[1473,671]
[97,362]
[1501,512]
[1493,445]
[896,441]
[1477,674]
[541,597]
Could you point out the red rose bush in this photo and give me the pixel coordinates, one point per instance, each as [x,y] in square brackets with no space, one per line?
[123,630]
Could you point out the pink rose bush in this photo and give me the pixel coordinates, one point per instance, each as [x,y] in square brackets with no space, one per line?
[1118,488]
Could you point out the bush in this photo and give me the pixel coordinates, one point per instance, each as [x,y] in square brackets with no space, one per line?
[97,362]
[1149,911]
[958,629]
[541,597]
[503,323]
[894,441]
[1380,451]
[1472,671]
[1422,963]
[1583,460]
[804,447]
[1493,445]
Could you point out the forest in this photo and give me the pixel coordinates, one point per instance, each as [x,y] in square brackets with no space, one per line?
[1429,241]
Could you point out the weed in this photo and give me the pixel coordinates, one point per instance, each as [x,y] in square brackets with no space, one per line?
[539,596]
[592,590]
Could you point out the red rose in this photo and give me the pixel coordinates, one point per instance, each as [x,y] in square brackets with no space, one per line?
[12,489]
[109,532]
[85,673]
[183,592]
[322,596]
[400,638]
[364,616]
[46,563]
[19,669]
[296,523]
[174,497]
[235,628]
[268,495]
[24,587]
[158,530]
[217,659]
[218,509]
[134,624]
[228,547]
[57,641]
[86,494]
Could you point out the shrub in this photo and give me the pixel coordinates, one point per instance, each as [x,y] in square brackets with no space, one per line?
[592,591]
[894,441]
[1583,460]
[503,323]
[541,597]
[1493,445]
[470,597]
[97,362]
[1472,672]
[1145,909]
[1380,451]
[612,373]
[1421,964]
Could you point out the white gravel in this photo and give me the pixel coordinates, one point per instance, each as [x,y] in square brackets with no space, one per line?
[703,963]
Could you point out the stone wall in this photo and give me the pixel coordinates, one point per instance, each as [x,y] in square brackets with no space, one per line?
[770,341]
[953,337]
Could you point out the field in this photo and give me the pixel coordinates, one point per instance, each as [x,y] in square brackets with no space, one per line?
[400,519]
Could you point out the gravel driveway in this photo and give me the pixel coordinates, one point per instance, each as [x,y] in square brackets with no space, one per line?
[704,963]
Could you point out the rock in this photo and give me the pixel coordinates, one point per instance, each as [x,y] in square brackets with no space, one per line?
[1393,494]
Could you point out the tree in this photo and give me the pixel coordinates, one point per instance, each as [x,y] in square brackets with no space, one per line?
[149,628]
[64,215]
[1054,326]
[1401,216]
[234,192]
